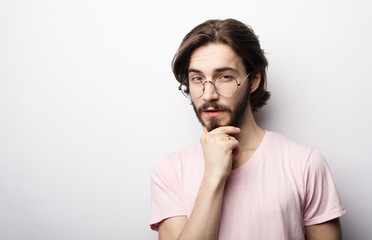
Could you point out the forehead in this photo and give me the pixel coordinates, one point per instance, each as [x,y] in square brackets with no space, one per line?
[210,57]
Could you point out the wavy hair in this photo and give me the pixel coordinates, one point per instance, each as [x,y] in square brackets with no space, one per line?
[241,38]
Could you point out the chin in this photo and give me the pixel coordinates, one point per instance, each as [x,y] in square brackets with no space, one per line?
[215,123]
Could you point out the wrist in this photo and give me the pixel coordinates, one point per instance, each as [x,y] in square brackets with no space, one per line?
[215,179]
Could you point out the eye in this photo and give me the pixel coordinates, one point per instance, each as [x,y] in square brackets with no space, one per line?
[226,78]
[195,79]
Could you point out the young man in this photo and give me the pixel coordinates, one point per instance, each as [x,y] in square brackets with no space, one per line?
[240,181]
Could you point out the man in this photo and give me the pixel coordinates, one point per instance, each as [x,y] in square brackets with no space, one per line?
[240,181]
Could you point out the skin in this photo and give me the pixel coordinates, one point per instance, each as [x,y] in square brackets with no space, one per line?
[225,148]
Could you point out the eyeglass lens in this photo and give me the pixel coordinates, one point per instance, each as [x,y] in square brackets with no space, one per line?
[225,85]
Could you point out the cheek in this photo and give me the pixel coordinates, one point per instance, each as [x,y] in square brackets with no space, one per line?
[241,95]
[243,90]
[196,103]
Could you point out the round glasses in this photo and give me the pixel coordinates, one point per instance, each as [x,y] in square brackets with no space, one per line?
[224,85]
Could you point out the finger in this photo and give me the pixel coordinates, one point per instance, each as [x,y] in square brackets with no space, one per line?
[234,146]
[232,141]
[226,130]
[205,130]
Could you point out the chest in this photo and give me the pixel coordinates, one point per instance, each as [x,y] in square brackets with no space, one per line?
[262,205]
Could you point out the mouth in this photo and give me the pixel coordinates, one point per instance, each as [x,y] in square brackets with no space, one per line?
[213,112]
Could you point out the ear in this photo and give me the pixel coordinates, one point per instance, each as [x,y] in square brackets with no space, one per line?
[255,82]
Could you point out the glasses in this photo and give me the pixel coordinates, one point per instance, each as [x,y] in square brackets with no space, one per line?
[225,85]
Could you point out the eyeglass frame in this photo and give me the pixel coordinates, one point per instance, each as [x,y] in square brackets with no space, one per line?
[213,83]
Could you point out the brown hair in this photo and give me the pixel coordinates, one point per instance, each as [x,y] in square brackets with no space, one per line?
[240,38]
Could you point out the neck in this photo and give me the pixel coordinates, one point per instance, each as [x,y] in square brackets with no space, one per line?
[251,134]
[249,138]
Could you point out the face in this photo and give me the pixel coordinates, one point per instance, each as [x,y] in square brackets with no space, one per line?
[209,62]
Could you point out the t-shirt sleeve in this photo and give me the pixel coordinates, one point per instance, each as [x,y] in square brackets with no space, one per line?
[322,202]
[166,197]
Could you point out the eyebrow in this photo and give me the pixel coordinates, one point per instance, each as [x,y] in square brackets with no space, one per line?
[218,70]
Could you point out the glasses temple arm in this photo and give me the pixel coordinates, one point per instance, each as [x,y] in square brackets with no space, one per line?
[244,79]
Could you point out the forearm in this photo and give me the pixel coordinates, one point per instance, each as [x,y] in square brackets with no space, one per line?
[204,220]
[330,230]
[205,217]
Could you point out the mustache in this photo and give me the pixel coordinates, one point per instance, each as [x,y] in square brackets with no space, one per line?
[214,105]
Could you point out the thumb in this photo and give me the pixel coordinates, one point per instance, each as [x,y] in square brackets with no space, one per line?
[205,130]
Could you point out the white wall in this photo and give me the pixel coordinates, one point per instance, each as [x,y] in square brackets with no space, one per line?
[88,104]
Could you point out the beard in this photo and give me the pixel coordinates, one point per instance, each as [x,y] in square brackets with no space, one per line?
[236,114]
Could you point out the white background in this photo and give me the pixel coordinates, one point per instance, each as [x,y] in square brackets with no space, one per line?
[88,104]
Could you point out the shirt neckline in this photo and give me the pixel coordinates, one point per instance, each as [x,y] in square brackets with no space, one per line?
[253,158]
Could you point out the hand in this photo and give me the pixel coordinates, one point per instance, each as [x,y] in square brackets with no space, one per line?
[218,148]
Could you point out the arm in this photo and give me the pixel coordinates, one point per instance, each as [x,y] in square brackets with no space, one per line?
[205,217]
[330,230]
[321,199]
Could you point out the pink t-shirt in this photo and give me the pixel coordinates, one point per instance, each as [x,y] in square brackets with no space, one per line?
[282,188]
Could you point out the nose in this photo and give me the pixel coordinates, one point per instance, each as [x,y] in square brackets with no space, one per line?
[210,93]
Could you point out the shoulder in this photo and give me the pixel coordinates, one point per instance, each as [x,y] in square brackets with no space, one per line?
[295,153]
[179,159]
[282,143]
